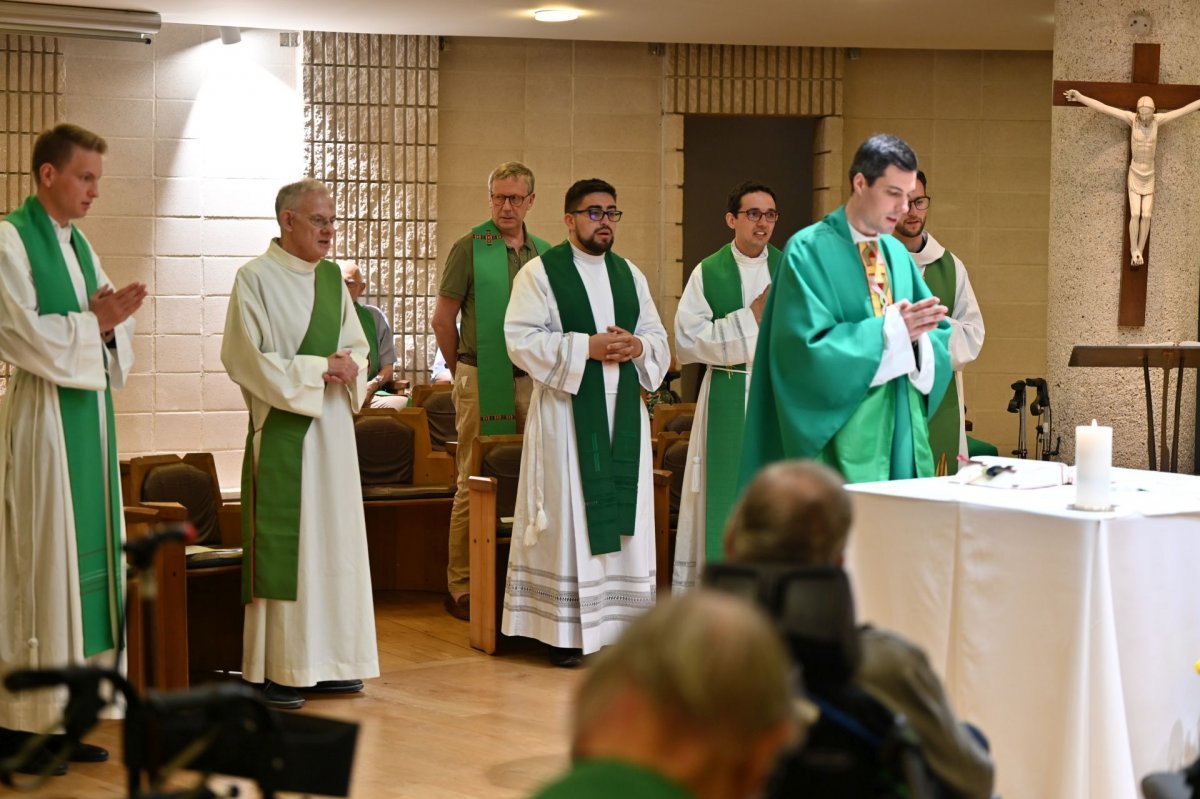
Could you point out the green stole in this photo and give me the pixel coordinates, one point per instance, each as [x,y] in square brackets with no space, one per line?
[945,424]
[271,493]
[608,464]
[497,404]
[726,401]
[372,333]
[96,501]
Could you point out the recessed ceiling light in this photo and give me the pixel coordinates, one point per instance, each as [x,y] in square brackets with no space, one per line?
[555,14]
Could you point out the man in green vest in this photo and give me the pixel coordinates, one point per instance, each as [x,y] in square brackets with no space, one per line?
[382,357]
[583,323]
[694,702]
[716,324]
[67,335]
[946,277]
[491,396]
[853,355]
[295,345]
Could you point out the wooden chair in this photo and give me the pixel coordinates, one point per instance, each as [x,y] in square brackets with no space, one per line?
[492,500]
[675,418]
[170,636]
[493,487]
[670,458]
[408,493]
[210,611]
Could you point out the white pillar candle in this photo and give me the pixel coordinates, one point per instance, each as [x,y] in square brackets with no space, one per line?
[1093,466]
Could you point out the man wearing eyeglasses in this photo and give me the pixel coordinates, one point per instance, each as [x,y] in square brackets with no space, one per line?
[582,323]
[491,396]
[946,277]
[297,349]
[381,359]
[717,324]
[853,354]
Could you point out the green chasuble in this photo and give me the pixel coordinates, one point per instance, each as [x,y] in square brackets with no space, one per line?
[608,464]
[497,403]
[95,498]
[606,779]
[819,346]
[372,333]
[726,401]
[271,492]
[945,424]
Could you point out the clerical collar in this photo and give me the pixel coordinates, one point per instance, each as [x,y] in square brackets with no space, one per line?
[587,257]
[859,238]
[749,260]
[288,260]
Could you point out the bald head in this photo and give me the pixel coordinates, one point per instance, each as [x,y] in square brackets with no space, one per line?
[356,282]
[794,512]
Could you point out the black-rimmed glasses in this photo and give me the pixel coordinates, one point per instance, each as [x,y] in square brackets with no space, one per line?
[596,213]
[754,214]
[920,203]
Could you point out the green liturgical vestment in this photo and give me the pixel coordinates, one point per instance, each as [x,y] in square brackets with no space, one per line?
[609,779]
[819,347]
[945,422]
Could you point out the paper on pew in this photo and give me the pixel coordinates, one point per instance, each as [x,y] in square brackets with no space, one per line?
[1022,474]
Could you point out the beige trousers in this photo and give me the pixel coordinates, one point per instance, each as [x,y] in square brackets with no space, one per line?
[466,414]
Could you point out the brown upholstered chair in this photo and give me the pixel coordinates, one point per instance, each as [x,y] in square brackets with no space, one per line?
[408,492]
[675,418]
[493,486]
[212,612]
[438,403]
[671,458]
[495,471]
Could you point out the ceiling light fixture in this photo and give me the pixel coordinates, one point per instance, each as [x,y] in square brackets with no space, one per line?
[230,34]
[556,14]
[40,19]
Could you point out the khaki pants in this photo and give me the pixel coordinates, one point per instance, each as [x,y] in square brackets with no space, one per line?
[395,401]
[466,414]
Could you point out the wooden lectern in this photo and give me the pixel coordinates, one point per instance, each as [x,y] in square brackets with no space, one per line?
[1161,356]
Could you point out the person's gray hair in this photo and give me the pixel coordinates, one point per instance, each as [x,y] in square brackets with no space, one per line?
[794,512]
[511,169]
[711,663]
[289,196]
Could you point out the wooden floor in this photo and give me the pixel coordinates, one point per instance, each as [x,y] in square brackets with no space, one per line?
[442,721]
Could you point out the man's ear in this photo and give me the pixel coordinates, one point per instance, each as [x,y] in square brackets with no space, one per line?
[46,175]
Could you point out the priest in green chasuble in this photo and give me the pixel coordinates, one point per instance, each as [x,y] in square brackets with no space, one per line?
[853,357]
[946,277]
[716,324]
[491,393]
[582,323]
[67,336]
[294,344]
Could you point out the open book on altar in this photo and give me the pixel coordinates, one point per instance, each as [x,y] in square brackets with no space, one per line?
[997,472]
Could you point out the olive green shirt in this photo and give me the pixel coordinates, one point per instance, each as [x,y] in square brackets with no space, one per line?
[458,283]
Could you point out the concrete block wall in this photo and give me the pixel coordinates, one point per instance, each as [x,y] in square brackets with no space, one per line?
[980,124]
[201,136]
[569,110]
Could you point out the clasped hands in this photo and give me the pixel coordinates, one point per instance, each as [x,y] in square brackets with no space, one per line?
[112,307]
[342,368]
[614,345]
[921,317]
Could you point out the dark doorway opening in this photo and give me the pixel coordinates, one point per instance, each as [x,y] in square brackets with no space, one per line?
[721,152]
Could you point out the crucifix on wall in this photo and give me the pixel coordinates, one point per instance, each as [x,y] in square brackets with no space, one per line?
[1154,104]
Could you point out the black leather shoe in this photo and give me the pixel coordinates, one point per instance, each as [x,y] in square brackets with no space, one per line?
[335,687]
[281,697]
[458,608]
[82,753]
[40,761]
[565,658]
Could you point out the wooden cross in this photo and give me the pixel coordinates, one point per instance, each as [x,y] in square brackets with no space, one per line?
[1131,309]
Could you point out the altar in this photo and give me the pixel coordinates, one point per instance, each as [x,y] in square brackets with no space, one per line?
[1069,638]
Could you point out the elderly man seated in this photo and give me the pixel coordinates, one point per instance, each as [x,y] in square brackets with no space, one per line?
[382,358]
[798,512]
[693,702]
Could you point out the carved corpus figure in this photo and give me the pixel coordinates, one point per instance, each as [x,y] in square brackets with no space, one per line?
[1142,143]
